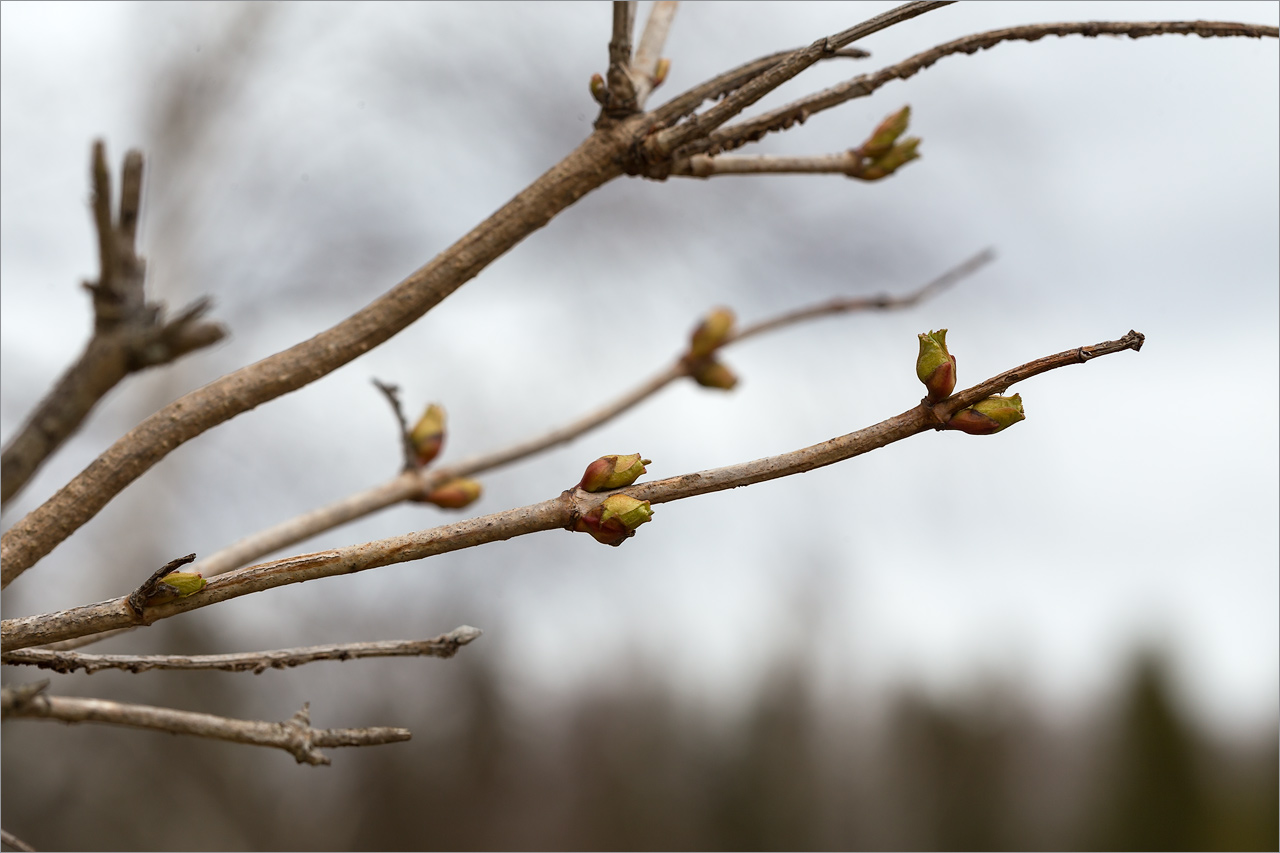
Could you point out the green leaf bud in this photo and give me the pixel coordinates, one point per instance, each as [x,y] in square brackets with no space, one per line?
[176,585]
[936,366]
[612,472]
[886,134]
[631,512]
[711,333]
[454,494]
[428,434]
[710,373]
[598,90]
[988,416]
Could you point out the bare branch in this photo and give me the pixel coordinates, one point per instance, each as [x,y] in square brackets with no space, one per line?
[622,89]
[644,66]
[443,646]
[848,163]
[688,102]
[755,128]
[129,334]
[295,735]
[559,512]
[881,302]
[663,143]
[410,485]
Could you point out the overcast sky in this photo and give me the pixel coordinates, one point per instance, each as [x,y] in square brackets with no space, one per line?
[334,148]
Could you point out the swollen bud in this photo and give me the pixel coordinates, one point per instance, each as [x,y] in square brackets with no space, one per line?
[615,521]
[177,585]
[710,373]
[660,72]
[935,366]
[884,136]
[612,472]
[428,434]
[988,416]
[598,90]
[631,512]
[454,494]
[711,333]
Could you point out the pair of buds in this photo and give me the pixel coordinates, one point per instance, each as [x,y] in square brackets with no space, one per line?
[427,438]
[936,368]
[615,520]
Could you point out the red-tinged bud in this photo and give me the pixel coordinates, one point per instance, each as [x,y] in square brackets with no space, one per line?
[598,90]
[884,136]
[454,494]
[935,366]
[712,374]
[660,72]
[613,472]
[428,434]
[988,416]
[615,521]
[711,333]
[177,585]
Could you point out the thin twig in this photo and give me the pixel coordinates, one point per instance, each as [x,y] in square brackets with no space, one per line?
[701,166]
[443,646]
[295,735]
[752,129]
[644,66]
[622,88]
[687,102]
[559,512]
[128,333]
[392,393]
[409,485]
[661,144]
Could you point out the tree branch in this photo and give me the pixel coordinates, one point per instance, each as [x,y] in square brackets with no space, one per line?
[559,512]
[686,103]
[847,163]
[128,333]
[750,130]
[661,144]
[295,735]
[443,646]
[644,65]
[411,484]
[596,161]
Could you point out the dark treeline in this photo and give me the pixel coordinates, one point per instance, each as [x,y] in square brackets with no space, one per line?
[634,767]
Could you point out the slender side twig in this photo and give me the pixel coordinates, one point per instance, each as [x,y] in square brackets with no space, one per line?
[644,65]
[557,513]
[409,485]
[750,130]
[129,334]
[701,166]
[295,735]
[392,393]
[661,144]
[687,102]
[443,646]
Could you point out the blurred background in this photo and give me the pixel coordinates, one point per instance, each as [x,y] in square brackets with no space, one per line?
[1062,637]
